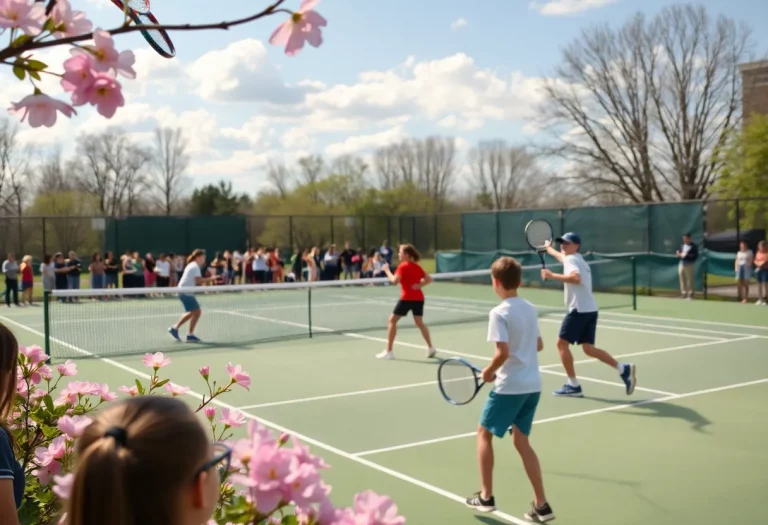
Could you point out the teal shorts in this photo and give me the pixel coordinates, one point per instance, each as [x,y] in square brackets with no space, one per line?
[501,411]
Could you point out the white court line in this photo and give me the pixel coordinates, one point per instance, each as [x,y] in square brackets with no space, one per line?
[412,345]
[348,394]
[660,350]
[571,416]
[279,428]
[697,330]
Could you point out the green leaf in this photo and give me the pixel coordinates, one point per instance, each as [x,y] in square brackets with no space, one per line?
[47,399]
[161,383]
[140,387]
[49,26]
[19,72]
[21,40]
[290,520]
[35,75]
[36,65]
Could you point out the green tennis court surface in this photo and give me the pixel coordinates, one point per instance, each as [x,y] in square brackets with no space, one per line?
[687,448]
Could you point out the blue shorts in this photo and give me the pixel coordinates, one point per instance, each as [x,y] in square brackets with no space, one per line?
[579,328]
[190,302]
[761,275]
[501,411]
[744,273]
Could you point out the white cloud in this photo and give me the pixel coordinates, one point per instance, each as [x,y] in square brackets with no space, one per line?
[360,143]
[567,7]
[458,24]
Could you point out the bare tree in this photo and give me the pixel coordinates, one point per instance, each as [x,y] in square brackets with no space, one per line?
[14,170]
[279,176]
[385,166]
[111,167]
[505,176]
[641,109]
[169,161]
[435,165]
[312,169]
[52,175]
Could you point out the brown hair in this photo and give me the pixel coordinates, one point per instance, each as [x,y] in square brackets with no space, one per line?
[508,272]
[413,253]
[9,358]
[195,254]
[133,461]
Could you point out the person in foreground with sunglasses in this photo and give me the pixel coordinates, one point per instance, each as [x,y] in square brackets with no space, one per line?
[146,461]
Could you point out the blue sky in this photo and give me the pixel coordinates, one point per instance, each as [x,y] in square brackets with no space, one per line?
[386,71]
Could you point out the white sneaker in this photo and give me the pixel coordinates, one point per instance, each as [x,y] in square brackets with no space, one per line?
[385,355]
[431,352]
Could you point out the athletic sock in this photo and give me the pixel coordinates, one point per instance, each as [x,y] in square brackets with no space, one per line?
[572,381]
[620,368]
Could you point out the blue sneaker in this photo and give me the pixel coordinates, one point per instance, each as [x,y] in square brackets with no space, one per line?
[628,376]
[193,339]
[569,391]
[174,333]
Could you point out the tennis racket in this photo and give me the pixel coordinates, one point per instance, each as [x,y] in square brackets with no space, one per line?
[140,6]
[459,380]
[158,39]
[538,235]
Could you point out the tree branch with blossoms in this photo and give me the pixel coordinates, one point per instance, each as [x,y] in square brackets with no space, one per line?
[91,74]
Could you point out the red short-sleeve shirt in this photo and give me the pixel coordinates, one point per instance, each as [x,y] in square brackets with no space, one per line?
[410,273]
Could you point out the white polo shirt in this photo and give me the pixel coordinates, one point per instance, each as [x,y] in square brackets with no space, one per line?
[579,296]
[516,322]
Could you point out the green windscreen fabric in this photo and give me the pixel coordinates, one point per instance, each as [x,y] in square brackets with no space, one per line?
[614,229]
[175,234]
[669,222]
[479,232]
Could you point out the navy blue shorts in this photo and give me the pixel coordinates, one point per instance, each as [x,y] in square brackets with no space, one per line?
[190,302]
[579,328]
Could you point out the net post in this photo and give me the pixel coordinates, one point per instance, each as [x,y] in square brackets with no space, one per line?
[47,324]
[634,283]
[309,310]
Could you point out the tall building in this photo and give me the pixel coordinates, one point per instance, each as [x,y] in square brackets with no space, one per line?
[754,88]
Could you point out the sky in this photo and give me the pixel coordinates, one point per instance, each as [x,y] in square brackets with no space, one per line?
[386,71]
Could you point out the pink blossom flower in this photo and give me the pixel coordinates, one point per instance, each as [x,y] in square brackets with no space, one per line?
[42,109]
[210,413]
[284,437]
[156,361]
[67,368]
[130,390]
[106,57]
[20,14]
[176,390]
[302,454]
[303,26]
[45,372]
[239,376]
[63,485]
[74,391]
[232,418]
[103,392]
[205,371]
[266,479]
[373,509]
[304,485]
[69,23]
[74,426]
[46,458]
[21,386]
[33,354]
[44,474]
[78,73]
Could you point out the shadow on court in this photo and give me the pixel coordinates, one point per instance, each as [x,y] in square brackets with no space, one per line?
[662,409]
[490,520]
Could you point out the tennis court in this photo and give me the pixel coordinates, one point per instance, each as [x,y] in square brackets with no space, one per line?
[687,447]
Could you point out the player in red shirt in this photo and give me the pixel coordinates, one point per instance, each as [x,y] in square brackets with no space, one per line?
[412,279]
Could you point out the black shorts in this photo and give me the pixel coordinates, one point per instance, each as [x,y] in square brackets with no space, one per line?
[403,307]
[163,282]
[579,328]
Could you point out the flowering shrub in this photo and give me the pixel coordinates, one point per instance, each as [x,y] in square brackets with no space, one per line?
[91,74]
[269,482]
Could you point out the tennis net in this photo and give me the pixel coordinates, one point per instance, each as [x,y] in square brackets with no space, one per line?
[108,322]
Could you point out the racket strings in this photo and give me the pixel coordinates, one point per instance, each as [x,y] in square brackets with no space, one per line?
[458,381]
[538,233]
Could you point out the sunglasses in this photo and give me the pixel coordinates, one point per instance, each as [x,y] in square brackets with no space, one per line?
[222,457]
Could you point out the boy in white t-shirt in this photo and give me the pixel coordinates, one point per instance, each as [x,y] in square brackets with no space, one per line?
[511,405]
[579,326]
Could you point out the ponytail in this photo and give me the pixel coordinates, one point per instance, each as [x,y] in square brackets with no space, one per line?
[194,255]
[99,491]
[412,252]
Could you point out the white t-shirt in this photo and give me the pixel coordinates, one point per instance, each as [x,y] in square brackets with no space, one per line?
[163,268]
[579,296]
[259,263]
[516,322]
[191,272]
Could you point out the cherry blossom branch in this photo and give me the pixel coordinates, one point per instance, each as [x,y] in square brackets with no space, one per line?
[13,51]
